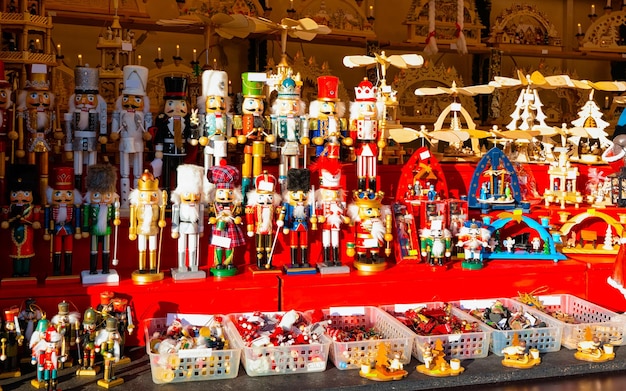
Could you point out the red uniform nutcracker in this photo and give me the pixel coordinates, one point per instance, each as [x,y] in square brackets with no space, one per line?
[62,218]
[8,135]
[326,116]
[364,130]
[49,359]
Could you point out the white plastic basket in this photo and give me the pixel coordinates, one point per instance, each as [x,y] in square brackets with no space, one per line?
[601,321]
[279,360]
[462,346]
[351,355]
[190,364]
[545,339]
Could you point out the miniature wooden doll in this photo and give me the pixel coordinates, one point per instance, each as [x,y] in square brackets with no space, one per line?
[364,131]
[37,344]
[122,311]
[108,344]
[62,219]
[174,128]
[35,105]
[251,128]
[262,214]
[216,125]
[436,243]
[67,324]
[101,212]
[86,122]
[87,342]
[326,115]
[225,215]
[289,126]
[28,317]
[22,217]
[8,135]
[130,123]
[188,201]
[147,220]
[298,212]
[474,239]
[11,337]
[49,360]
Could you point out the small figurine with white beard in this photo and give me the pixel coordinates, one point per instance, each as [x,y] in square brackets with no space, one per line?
[86,122]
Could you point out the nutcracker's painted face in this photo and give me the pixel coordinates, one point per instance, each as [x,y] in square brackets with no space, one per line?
[38,99]
[298,197]
[366,108]
[133,102]
[85,101]
[62,197]
[265,198]
[176,108]
[328,108]
[368,212]
[215,103]
[5,98]
[252,106]
[189,198]
[148,197]
[224,195]
[21,197]
[107,197]
[286,106]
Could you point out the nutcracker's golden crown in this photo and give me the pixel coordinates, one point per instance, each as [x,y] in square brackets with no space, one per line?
[147,182]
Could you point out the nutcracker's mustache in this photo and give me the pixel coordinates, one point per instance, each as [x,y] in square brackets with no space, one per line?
[172,111]
[217,107]
[41,104]
[130,106]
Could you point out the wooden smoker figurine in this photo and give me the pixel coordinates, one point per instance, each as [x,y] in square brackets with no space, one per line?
[37,121]
[216,125]
[147,220]
[62,219]
[130,123]
[188,201]
[326,113]
[86,122]
[8,135]
[108,344]
[101,214]
[22,217]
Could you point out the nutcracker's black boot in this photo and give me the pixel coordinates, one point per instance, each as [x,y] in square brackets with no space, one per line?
[93,263]
[294,257]
[327,261]
[56,265]
[105,263]
[259,258]
[68,264]
[304,255]
[336,257]
[372,184]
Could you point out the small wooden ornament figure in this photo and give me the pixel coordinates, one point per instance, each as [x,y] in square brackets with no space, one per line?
[86,122]
[517,355]
[262,213]
[384,368]
[108,344]
[436,243]
[122,311]
[130,123]
[37,344]
[87,344]
[10,338]
[225,215]
[101,215]
[174,128]
[592,349]
[49,360]
[474,239]
[216,124]
[29,316]
[326,116]
[8,135]
[364,131]
[67,324]
[62,219]
[35,106]
[147,220]
[435,363]
[188,201]
[22,217]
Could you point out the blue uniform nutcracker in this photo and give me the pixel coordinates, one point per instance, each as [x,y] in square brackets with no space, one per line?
[298,213]
[326,113]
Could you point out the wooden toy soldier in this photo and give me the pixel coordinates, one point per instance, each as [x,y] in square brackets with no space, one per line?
[289,126]
[22,217]
[37,344]
[130,123]
[251,128]
[174,128]
[86,122]
[8,135]
[108,344]
[147,220]
[11,337]
[326,113]
[188,201]
[67,324]
[122,311]
[298,212]
[262,213]
[101,212]
[87,342]
[37,119]
[225,215]
[49,360]
[62,218]
[216,125]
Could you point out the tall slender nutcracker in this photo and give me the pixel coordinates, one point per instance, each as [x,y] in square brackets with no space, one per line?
[326,113]
[108,344]
[67,324]
[86,340]
[35,106]
[86,122]
[188,201]
[8,135]
[289,126]
[130,123]
[62,218]
[147,220]
[216,124]
[298,214]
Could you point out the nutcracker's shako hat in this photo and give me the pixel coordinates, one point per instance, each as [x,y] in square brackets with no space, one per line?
[37,75]
[23,177]
[10,315]
[365,91]
[368,198]
[190,179]
[288,89]
[90,316]
[135,80]
[101,178]
[252,84]
[64,308]
[63,178]
[175,87]
[3,81]
[147,182]
[223,176]
[328,88]
[86,80]
[105,297]
[52,335]
[265,183]
[214,83]
[119,304]
[299,179]
[111,324]
[42,325]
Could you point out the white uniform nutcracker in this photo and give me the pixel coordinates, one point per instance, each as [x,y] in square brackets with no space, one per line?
[188,201]
[147,220]
[86,122]
[216,125]
[364,130]
[130,124]
[474,239]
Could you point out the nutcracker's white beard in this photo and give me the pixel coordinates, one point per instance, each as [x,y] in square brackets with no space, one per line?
[147,218]
[62,213]
[378,229]
[299,211]
[335,217]
[43,120]
[189,213]
[265,219]
[102,217]
[83,120]
[219,122]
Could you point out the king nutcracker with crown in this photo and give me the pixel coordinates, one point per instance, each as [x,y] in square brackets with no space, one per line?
[86,122]
[326,122]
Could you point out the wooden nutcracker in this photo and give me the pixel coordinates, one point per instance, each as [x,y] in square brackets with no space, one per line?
[8,135]
[122,311]
[67,324]
[326,116]
[37,344]
[48,360]
[10,339]
[108,344]
[87,344]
